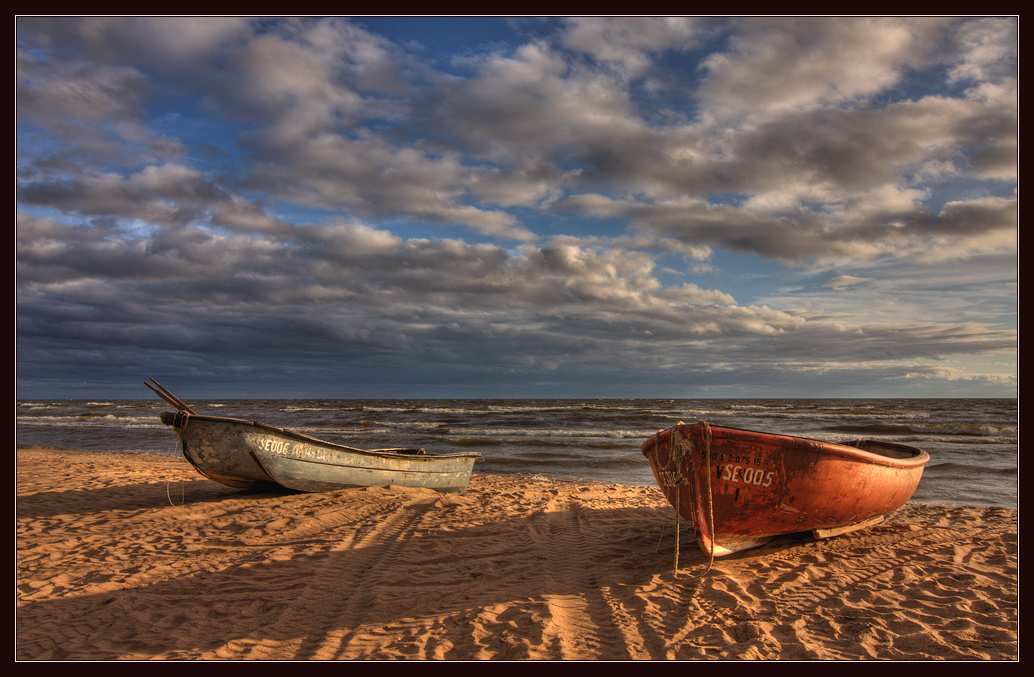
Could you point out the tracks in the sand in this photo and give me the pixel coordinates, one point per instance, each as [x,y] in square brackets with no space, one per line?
[583,617]
[358,558]
[451,592]
[870,558]
[878,593]
[875,595]
[513,569]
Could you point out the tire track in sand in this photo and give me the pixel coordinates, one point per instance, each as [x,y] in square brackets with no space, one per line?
[582,623]
[338,584]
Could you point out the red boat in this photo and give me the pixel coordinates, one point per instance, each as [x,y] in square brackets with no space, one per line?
[741,488]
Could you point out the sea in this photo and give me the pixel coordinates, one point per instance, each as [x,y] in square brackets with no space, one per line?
[973,443]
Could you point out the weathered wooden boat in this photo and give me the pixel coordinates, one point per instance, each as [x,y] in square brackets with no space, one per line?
[245,454]
[740,488]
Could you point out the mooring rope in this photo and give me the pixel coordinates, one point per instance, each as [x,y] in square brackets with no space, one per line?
[705,431]
[672,476]
[169,495]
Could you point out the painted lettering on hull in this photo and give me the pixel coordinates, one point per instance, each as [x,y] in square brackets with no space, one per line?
[289,449]
[742,459]
[758,477]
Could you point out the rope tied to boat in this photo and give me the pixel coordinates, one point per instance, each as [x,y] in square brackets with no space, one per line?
[705,431]
[672,476]
[168,495]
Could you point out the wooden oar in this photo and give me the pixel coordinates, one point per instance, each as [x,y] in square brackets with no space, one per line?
[172,399]
[164,393]
[160,394]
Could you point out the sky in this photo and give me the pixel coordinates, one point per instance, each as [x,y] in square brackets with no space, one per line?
[445,207]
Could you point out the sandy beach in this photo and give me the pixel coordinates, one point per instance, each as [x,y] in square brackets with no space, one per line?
[137,557]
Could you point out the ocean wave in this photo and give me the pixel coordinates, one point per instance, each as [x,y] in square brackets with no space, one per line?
[973,443]
[948,429]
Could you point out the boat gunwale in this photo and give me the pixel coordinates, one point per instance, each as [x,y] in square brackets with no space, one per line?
[302,437]
[918,458]
[312,461]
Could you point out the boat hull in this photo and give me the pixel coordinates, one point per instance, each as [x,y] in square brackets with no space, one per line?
[247,454]
[741,488]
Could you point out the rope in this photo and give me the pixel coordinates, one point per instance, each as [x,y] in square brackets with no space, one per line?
[167,495]
[705,430]
[671,476]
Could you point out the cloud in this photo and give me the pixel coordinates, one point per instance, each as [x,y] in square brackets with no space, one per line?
[629,41]
[355,290]
[844,281]
[173,44]
[532,127]
[738,198]
[987,51]
[782,64]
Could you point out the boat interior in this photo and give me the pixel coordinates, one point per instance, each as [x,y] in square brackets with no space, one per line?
[888,449]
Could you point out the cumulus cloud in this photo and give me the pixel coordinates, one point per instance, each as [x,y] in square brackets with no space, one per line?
[589,196]
[777,64]
[987,52]
[532,127]
[357,290]
[174,44]
[630,42]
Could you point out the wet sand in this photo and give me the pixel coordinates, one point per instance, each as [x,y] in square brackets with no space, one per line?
[140,558]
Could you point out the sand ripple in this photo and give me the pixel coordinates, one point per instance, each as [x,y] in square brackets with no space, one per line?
[128,557]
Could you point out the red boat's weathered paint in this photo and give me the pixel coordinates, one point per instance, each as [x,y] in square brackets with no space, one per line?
[752,486]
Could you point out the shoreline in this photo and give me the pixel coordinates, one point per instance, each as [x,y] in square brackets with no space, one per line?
[131,556]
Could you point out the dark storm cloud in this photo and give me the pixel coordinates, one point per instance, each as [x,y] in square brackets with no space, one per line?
[363,294]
